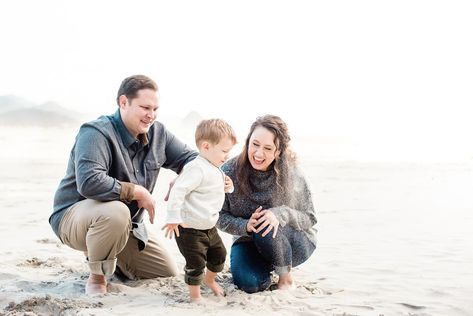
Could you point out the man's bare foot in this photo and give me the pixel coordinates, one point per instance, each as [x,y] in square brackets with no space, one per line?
[96,284]
[209,280]
[285,282]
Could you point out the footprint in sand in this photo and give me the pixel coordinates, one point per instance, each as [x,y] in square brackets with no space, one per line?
[52,262]
[46,241]
[35,262]
[318,291]
[48,305]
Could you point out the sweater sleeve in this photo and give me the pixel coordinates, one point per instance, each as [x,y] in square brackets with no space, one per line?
[229,223]
[189,179]
[302,215]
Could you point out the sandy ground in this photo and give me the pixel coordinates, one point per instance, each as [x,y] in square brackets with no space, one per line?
[394,239]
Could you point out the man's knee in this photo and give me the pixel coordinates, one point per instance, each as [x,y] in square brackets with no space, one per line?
[117,215]
[171,271]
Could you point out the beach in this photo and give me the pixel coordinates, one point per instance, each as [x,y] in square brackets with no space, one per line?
[394,239]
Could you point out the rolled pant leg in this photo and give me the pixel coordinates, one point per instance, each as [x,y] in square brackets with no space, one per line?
[216,254]
[100,229]
[152,262]
[193,245]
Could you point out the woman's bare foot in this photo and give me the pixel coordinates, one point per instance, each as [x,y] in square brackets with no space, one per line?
[285,282]
[96,284]
[209,280]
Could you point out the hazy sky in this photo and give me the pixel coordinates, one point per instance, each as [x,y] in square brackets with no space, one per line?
[393,74]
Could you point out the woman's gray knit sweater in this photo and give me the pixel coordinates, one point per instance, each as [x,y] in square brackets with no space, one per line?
[297,210]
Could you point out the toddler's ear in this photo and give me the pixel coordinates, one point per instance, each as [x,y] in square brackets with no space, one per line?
[205,145]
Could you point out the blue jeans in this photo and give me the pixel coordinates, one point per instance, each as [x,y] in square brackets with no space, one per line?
[251,262]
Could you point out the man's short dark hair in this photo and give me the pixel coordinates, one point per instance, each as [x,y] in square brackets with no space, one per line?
[131,85]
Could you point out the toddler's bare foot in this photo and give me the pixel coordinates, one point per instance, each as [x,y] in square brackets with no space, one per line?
[215,287]
[96,284]
[194,293]
[197,300]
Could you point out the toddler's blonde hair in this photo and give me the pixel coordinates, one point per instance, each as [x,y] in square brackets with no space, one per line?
[213,131]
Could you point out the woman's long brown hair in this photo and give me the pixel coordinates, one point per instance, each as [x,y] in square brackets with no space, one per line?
[281,164]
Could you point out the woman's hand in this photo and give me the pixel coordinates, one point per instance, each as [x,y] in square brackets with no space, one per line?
[268,220]
[251,225]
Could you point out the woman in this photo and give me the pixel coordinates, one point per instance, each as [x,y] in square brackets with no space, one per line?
[270,212]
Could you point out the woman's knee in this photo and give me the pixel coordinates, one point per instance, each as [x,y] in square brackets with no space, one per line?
[251,282]
[268,244]
[250,271]
[268,238]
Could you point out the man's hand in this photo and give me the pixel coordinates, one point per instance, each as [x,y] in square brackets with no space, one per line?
[170,230]
[145,200]
[228,185]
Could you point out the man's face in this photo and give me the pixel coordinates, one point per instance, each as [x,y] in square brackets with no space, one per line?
[139,113]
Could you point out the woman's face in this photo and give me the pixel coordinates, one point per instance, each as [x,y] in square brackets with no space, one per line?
[261,149]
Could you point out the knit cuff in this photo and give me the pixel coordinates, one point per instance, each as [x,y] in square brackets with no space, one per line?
[282,270]
[281,214]
[128,191]
[173,217]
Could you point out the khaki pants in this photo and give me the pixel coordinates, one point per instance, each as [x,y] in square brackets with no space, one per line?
[102,230]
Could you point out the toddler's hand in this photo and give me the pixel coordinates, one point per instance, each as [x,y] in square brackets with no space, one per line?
[228,186]
[170,230]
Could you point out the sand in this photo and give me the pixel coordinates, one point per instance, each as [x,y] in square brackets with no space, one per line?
[394,239]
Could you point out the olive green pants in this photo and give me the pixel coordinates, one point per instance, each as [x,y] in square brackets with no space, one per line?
[200,248]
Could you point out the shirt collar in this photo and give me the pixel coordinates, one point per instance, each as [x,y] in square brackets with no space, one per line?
[143,138]
[125,135]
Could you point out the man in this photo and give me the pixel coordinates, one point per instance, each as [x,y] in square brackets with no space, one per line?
[112,170]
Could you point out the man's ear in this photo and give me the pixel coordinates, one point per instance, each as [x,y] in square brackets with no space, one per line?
[122,100]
